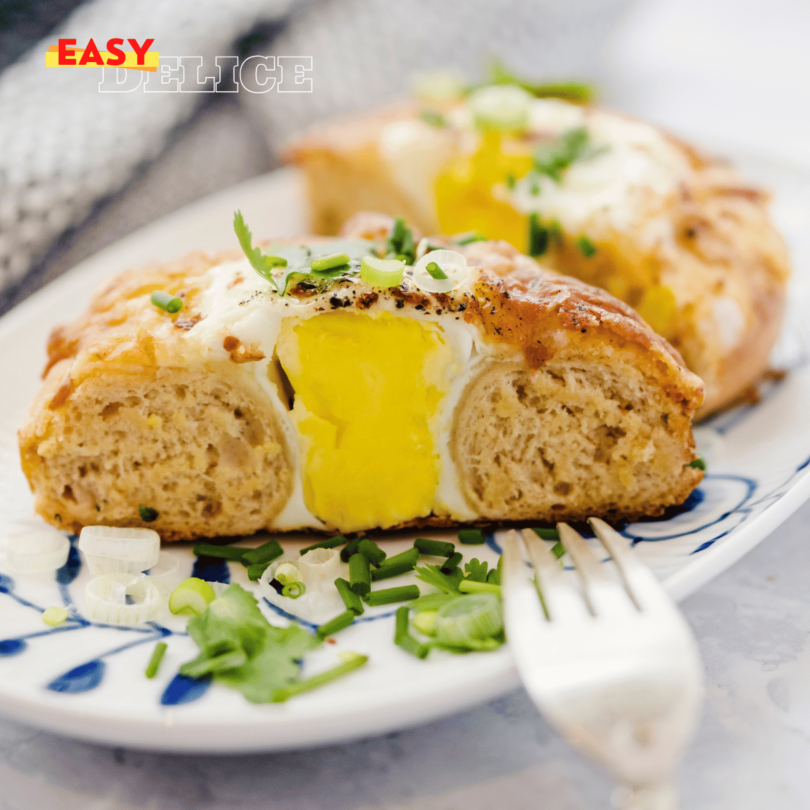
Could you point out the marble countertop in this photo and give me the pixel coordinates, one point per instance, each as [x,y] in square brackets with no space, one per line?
[751,750]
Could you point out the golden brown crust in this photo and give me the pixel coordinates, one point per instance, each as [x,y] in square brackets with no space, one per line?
[727,263]
[516,304]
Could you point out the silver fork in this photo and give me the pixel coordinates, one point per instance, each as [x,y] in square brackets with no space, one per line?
[606,656]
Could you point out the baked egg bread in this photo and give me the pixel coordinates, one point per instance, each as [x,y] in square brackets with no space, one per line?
[616,202]
[315,399]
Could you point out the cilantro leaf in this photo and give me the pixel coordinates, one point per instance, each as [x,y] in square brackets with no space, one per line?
[476,570]
[262,263]
[240,648]
[447,583]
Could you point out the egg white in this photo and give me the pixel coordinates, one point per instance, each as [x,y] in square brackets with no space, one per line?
[250,312]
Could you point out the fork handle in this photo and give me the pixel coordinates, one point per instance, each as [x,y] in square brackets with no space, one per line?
[661,796]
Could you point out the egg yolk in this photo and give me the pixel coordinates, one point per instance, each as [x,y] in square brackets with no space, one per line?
[465,192]
[366,390]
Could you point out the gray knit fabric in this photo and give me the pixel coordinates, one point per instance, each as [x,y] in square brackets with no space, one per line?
[64,145]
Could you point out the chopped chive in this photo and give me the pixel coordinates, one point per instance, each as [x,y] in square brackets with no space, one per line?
[154,662]
[468,586]
[402,638]
[350,549]
[558,549]
[411,645]
[452,563]
[586,247]
[292,590]
[433,118]
[399,243]
[396,565]
[534,188]
[352,601]
[148,515]
[538,236]
[332,542]
[471,537]
[169,303]
[510,181]
[469,238]
[256,570]
[265,553]
[329,262]
[698,464]
[402,618]
[555,232]
[435,271]
[350,663]
[338,623]
[233,553]
[359,574]
[390,595]
[437,548]
[546,534]
[372,552]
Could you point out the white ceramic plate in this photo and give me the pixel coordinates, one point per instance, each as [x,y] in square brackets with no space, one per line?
[86,680]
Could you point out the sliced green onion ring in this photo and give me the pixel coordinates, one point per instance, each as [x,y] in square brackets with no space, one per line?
[37,552]
[54,616]
[382,272]
[105,599]
[110,549]
[287,572]
[469,618]
[292,590]
[452,265]
[319,566]
[191,597]
[501,108]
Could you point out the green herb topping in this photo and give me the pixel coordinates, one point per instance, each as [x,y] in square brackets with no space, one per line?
[154,662]
[538,236]
[241,649]
[317,265]
[434,271]
[148,515]
[436,548]
[330,262]
[389,596]
[471,537]
[399,244]
[433,118]
[586,247]
[332,542]
[396,565]
[338,623]
[575,92]
[169,303]
[553,157]
[698,464]
[351,661]
[469,238]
